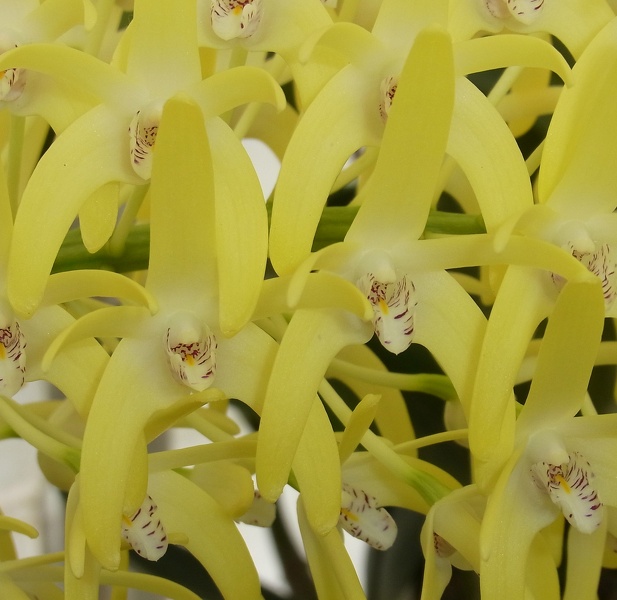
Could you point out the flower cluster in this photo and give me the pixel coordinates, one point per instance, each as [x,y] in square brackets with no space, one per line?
[144,275]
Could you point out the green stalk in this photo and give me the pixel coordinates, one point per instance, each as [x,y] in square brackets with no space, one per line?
[332,228]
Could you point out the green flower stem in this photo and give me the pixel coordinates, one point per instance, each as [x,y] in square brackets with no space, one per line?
[427,486]
[332,228]
[41,434]
[427,383]
[16,147]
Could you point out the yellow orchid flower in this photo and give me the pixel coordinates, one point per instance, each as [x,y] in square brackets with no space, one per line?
[26,92]
[573,22]
[558,463]
[574,213]
[162,368]
[374,73]
[116,138]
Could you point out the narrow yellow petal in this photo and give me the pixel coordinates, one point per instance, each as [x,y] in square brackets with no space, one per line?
[419,121]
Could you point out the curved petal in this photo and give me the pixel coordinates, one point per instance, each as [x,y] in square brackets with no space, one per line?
[321,290]
[244,365]
[241,225]
[451,326]
[359,422]
[495,52]
[577,158]
[399,21]
[317,470]
[182,209]
[228,89]
[300,196]
[97,217]
[483,146]
[420,116]
[76,370]
[185,507]
[86,156]
[585,552]
[333,572]
[74,67]
[115,321]
[288,402]
[521,300]
[163,53]
[74,285]
[514,515]
[567,355]
[52,18]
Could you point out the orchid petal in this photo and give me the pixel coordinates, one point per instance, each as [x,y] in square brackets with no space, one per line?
[185,507]
[73,67]
[329,331]
[494,52]
[335,575]
[163,54]
[97,217]
[317,470]
[399,21]
[229,484]
[252,348]
[241,223]
[566,356]
[359,422]
[451,330]
[503,528]
[420,116]
[185,175]
[483,146]
[521,299]
[229,89]
[115,321]
[298,206]
[81,160]
[52,18]
[341,294]
[87,283]
[584,561]
[584,118]
[77,370]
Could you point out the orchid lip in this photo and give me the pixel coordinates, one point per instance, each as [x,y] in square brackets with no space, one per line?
[142,138]
[362,517]
[394,305]
[235,18]
[145,532]
[570,486]
[191,351]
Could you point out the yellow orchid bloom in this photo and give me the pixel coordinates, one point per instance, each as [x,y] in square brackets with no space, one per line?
[116,138]
[574,213]
[162,367]
[573,22]
[555,454]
